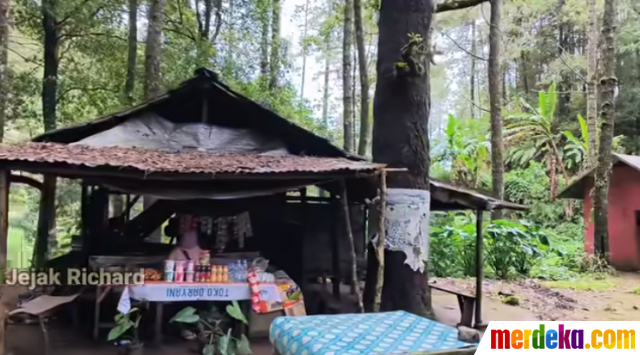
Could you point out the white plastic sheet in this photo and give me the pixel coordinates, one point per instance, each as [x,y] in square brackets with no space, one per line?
[407,225]
[151,131]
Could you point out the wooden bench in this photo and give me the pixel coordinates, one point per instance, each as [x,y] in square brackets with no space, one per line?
[466,302]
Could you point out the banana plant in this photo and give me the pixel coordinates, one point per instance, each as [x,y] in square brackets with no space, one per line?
[532,135]
[465,150]
[577,149]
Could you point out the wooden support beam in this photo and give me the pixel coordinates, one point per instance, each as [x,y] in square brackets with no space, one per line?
[4,236]
[335,251]
[452,5]
[382,236]
[352,245]
[22,179]
[479,269]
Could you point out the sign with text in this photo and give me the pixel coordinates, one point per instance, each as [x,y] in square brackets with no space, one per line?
[181,292]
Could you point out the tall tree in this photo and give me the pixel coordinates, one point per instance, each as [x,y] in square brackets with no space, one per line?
[363,67]
[592,95]
[495,101]
[472,74]
[401,109]
[608,90]
[263,15]
[274,60]
[305,48]
[4,63]
[400,134]
[47,217]
[153,50]
[117,201]
[132,54]
[347,78]
[152,75]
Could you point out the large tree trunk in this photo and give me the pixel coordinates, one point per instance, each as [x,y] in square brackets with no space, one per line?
[153,50]
[592,99]
[363,66]
[47,217]
[401,139]
[152,76]
[4,63]
[495,101]
[608,87]
[274,61]
[347,80]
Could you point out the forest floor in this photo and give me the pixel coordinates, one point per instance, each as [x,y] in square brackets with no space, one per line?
[608,299]
[614,298]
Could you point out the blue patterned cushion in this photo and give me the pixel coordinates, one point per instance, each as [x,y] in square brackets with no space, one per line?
[372,333]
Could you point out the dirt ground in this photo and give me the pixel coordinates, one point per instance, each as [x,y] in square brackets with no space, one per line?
[610,299]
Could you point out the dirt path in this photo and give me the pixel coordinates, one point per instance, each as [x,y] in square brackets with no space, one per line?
[608,299]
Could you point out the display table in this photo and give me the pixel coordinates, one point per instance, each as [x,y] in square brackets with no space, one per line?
[161,292]
[367,334]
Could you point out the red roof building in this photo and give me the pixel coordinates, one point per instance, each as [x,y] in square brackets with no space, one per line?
[623,210]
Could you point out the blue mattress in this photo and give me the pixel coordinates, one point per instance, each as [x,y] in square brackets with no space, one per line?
[368,334]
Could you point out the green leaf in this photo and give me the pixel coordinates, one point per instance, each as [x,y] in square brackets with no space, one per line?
[119,330]
[186,315]
[209,349]
[235,312]
[223,343]
[243,346]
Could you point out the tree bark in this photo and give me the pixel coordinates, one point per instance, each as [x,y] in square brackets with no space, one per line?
[275,45]
[347,79]
[152,77]
[264,39]
[304,48]
[363,67]
[608,87]
[4,63]
[46,236]
[472,75]
[495,102]
[401,139]
[592,98]
[451,5]
[132,54]
[153,50]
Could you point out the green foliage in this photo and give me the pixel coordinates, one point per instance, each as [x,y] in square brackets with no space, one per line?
[465,150]
[514,247]
[511,248]
[210,329]
[126,327]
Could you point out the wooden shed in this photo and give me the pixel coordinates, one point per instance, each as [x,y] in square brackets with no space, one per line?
[623,210]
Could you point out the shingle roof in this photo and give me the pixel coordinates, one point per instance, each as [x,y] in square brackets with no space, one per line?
[150,161]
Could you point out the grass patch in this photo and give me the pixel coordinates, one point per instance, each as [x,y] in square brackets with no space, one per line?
[583,284]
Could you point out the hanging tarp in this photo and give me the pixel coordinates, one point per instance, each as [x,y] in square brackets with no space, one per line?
[152,131]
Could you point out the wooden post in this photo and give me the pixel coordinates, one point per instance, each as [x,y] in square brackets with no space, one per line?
[335,251]
[304,209]
[479,269]
[4,236]
[352,245]
[382,236]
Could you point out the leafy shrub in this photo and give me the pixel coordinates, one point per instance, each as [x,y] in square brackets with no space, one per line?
[510,248]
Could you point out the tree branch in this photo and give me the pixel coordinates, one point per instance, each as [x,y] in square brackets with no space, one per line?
[462,48]
[452,5]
